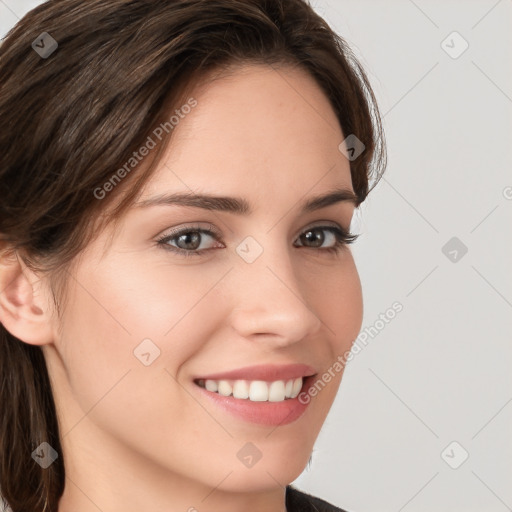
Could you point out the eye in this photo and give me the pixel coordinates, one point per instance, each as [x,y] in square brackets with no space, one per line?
[338,238]
[188,241]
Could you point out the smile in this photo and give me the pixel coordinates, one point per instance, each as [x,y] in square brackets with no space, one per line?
[255,390]
[265,394]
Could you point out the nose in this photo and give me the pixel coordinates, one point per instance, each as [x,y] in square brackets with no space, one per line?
[270,303]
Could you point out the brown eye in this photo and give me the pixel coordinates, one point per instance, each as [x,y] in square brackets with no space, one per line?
[187,241]
[314,236]
[338,238]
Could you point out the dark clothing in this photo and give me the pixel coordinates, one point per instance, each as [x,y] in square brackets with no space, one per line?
[298,501]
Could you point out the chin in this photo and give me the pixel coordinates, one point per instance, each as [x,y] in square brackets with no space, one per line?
[277,470]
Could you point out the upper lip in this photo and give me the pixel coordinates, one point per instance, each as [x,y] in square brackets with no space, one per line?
[264,372]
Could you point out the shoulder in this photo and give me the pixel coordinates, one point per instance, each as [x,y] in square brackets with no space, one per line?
[298,501]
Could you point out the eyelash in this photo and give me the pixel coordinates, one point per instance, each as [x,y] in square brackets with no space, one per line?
[343,238]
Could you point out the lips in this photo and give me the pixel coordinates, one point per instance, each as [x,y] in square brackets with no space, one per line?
[255,390]
[267,373]
[280,407]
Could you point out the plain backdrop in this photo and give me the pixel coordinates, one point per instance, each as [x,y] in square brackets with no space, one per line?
[423,418]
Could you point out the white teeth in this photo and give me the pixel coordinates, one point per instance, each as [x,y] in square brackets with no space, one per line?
[297,385]
[211,385]
[276,392]
[241,389]
[225,388]
[288,388]
[256,390]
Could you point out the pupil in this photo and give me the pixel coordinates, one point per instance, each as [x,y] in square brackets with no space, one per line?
[310,236]
[187,236]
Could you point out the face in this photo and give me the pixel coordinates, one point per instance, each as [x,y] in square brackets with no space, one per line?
[213,291]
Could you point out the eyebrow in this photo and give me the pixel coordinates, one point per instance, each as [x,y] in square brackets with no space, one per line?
[241,206]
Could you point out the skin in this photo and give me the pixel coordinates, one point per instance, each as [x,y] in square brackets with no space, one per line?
[134,438]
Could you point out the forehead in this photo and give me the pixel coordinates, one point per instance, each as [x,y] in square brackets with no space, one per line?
[261,130]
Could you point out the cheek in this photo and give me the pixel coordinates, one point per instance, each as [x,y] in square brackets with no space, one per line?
[339,304]
[125,304]
[336,295]
[110,313]
[120,317]
[349,307]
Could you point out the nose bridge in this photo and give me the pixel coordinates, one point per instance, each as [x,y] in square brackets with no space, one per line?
[269,298]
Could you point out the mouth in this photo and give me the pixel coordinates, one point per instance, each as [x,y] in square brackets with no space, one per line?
[254,390]
[267,395]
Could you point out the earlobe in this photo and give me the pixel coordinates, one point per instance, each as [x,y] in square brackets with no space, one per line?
[24,308]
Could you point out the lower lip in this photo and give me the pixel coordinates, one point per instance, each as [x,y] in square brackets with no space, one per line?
[261,413]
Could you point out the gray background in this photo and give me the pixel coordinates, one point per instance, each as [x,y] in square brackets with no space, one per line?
[438,372]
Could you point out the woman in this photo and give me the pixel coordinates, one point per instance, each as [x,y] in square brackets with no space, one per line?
[178,180]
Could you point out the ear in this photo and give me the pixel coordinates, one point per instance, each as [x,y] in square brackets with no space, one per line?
[24,304]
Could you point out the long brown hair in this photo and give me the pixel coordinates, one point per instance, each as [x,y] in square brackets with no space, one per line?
[71,119]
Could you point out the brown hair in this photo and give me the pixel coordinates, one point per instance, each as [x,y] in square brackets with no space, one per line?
[69,120]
